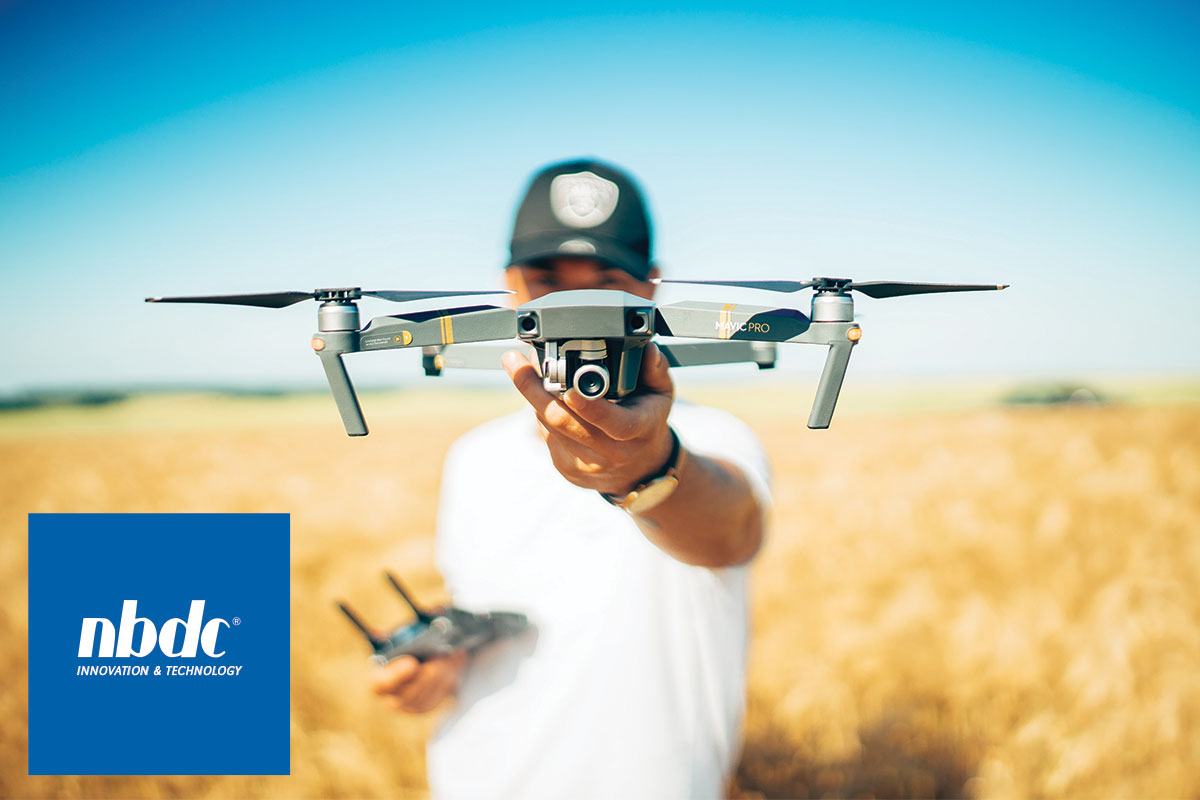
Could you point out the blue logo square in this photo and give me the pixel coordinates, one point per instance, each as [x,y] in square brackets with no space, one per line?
[159,644]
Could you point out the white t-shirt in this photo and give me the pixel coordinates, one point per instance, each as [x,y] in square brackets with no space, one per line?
[631,682]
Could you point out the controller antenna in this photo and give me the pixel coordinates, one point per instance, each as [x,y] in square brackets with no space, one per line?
[422,615]
[376,642]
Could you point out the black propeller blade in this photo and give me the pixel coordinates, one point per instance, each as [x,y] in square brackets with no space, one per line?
[876,289]
[404,297]
[771,286]
[285,299]
[881,289]
[269,300]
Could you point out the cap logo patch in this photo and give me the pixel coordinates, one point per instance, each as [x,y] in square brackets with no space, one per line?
[577,246]
[582,199]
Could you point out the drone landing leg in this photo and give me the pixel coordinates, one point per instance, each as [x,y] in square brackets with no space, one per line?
[836,362]
[343,393]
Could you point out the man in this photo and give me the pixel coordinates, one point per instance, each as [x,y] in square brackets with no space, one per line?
[622,530]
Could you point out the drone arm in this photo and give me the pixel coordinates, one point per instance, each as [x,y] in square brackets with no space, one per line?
[752,324]
[688,354]
[679,354]
[425,328]
[702,320]
[467,356]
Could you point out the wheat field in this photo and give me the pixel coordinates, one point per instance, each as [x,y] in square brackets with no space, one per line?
[980,602]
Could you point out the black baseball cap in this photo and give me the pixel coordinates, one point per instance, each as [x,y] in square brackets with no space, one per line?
[583,209]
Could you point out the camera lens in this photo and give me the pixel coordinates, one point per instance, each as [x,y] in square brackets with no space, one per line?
[591,381]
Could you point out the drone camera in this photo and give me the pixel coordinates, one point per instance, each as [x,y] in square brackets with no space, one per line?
[527,325]
[637,321]
[591,381]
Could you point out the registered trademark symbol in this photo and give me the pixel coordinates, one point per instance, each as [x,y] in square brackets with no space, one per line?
[237,620]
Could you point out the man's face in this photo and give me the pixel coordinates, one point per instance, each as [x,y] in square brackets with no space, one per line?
[559,274]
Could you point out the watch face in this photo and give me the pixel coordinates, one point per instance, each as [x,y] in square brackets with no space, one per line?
[653,494]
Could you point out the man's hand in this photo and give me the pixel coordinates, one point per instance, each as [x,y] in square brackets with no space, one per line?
[418,687]
[598,444]
[711,520]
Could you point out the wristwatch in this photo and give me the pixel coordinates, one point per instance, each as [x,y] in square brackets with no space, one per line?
[652,489]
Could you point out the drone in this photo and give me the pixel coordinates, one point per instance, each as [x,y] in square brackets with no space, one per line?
[437,632]
[592,340]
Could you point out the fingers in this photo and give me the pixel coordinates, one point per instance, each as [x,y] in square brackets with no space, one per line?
[570,457]
[551,412]
[619,422]
[642,414]
[416,687]
[428,689]
[656,372]
[599,444]
[393,676]
[527,380]
[439,679]
[572,445]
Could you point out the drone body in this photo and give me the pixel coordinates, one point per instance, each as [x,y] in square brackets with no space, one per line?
[592,340]
[437,632]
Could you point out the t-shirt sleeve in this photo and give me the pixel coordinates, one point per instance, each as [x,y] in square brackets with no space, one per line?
[719,434]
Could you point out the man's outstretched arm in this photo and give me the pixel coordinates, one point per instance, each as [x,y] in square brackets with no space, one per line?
[712,519]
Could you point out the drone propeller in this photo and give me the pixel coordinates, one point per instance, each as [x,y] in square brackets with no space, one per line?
[272,300]
[285,299]
[882,289]
[770,286]
[404,297]
[876,289]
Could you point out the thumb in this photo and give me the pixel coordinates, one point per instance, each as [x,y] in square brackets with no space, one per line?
[390,677]
[656,372]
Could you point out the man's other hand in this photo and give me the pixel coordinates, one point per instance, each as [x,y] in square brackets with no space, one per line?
[418,687]
[599,444]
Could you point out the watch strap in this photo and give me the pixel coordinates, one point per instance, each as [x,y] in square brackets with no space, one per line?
[667,470]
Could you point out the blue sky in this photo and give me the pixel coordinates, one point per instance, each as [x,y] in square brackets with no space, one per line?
[203,148]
